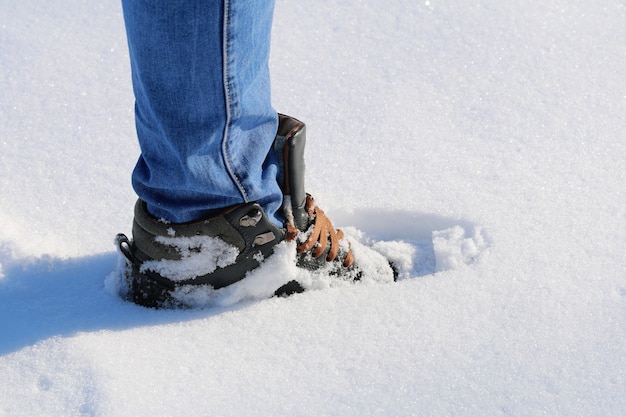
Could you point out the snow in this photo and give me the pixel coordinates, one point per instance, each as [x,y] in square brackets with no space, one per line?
[203,254]
[481,142]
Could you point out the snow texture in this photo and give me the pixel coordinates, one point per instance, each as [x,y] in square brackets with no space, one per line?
[199,255]
[480,144]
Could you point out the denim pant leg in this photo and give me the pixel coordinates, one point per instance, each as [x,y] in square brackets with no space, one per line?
[203,110]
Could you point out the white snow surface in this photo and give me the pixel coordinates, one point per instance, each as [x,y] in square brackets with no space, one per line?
[480,143]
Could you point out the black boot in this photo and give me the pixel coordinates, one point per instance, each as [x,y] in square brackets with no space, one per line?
[217,251]
[221,250]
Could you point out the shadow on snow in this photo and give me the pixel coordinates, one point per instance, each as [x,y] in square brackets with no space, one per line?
[48,297]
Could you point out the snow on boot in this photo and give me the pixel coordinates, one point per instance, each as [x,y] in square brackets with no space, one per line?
[216,251]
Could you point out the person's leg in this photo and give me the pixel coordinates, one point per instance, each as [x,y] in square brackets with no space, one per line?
[211,148]
[204,117]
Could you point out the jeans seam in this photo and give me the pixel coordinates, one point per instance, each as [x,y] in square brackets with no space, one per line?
[227,94]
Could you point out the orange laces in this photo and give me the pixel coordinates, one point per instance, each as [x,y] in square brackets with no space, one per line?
[318,239]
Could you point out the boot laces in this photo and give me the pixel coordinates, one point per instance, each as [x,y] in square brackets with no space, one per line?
[323,230]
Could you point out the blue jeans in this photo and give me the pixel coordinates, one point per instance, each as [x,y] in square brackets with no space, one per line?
[203,111]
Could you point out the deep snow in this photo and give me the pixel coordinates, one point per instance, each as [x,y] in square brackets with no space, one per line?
[489,135]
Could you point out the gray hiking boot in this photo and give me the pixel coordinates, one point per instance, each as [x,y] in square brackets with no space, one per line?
[217,251]
[221,250]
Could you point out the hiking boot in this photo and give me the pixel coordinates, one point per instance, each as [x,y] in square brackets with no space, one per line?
[216,251]
[221,250]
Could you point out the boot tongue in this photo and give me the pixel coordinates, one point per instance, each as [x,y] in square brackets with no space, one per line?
[289,148]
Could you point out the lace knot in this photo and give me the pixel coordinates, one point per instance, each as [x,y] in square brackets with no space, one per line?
[323,230]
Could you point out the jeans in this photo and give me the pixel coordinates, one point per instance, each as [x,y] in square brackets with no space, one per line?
[203,110]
